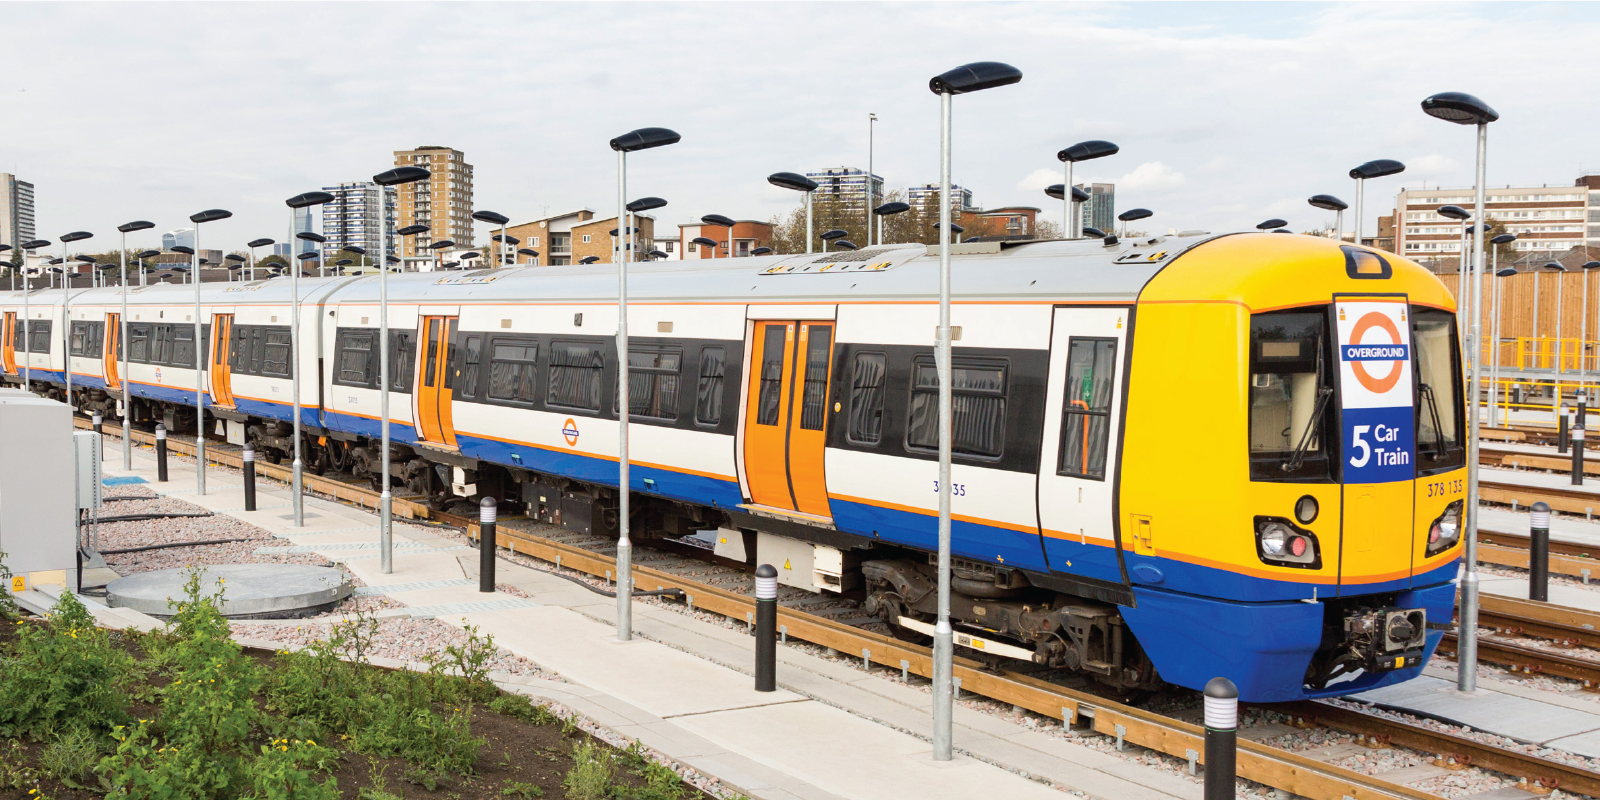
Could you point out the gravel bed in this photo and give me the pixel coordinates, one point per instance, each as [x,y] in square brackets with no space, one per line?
[400,638]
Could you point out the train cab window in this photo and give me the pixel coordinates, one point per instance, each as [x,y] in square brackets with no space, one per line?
[355,358]
[575,369]
[471,354]
[511,369]
[1290,397]
[654,374]
[1086,408]
[1437,367]
[977,403]
[770,397]
[239,351]
[867,375]
[708,395]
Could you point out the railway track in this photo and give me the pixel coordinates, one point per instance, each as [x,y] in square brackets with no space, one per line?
[836,624]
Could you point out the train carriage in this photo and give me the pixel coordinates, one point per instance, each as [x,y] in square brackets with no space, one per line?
[1174,457]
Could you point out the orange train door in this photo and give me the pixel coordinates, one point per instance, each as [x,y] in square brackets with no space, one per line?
[8,350]
[112,352]
[221,368]
[433,389]
[786,415]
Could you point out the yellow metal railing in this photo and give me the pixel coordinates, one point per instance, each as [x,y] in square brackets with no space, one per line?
[1548,352]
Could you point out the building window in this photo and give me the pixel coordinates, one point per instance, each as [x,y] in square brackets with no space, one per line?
[586,238]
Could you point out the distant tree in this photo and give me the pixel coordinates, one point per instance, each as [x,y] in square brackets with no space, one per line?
[1047,230]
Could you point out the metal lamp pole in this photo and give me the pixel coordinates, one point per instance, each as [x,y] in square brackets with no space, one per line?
[1464,109]
[1328,202]
[122,344]
[1082,151]
[66,308]
[495,219]
[799,183]
[299,201]
[641,139]
[872,124]
[961,80]
[27,332]
[211,215]
[1494,363]
[393,177]
[1583,325]
[1372,169]
[254,243]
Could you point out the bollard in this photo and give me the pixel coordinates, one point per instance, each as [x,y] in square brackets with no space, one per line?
[1577,454]
[486,544]
[1539,553]
[766,628]
[1563,429]
[249,478]
[1222,738]
[161,453]
[1516,398]
[98,423]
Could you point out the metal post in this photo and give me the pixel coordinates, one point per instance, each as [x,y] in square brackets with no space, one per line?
[295,497]
[66,327]
[943,638]
[1462,268]
[486,544]
[1583,331]
[1561,281]
[249,478]
[1467,634]
[1577,455]
[1361,185]
[1069,226]
[385,495]
[808,221]
[161,453]
[97,422]
[122,347]
[27,333]
[1494,340]
[1563,429]
[624,544]
[1338,225]
[1539,553]
[872,123]
[1222,739]
[766,628]
[199,378]
[1536,276]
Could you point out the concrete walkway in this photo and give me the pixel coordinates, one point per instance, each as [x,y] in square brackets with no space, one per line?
[683,686]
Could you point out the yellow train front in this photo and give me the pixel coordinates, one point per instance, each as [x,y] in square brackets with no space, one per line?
[1293,471]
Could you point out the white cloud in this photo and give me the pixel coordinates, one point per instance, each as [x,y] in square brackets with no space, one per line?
[1041,178]
[1151,176]
[1432,165]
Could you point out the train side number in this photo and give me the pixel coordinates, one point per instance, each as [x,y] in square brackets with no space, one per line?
[1445,488]
[956,489]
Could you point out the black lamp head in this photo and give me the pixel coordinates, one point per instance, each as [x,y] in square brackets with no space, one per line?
[451,264]
[1378,169]
[35,244]
[1454,212]
[392,259]
[656,254]
[136,225]
[703,241]
[188,251]
[953,226]
[490,216]
[75,236]
[717,219]
[759,251]
[400,175]
[343,262]
[845,244]
[889,209]
[1327,202]
[259,243]
[307,256]
[1555,266]
[471,254]
[235,257]
[644,139]
[309,199]
[1271,224]
[646,204]
[974,77]
[529,252]
[147,254]
[1056,190]
[588,259]
[1591,265]
[511,240]
[360,251]
[835,233]
[210,215]
[792,180]
[1084,151]
[1504,238]
[1506,272]
[4,247]
[613,231]
[1460,108]
[308,236]
[1136,213]
[84,258]
[412,230]
[441,244]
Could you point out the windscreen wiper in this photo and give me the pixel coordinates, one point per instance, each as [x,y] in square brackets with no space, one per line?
[1433,413]
[1298,459]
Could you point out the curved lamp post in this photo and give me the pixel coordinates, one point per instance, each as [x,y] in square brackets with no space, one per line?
[122,339]
[799,183]
[630,142]
[209,215]
[238,262]
[530,253]
[1464,109]
[438,248]
[144,266]
[1560,270]
[722,222]
[759,251]
[299,201]
[881,212]
[1494,363]
[965,79]
[319,240]
[1271,224]
[1459,214]
[832,235]
[253,244]
[1058,191]
[1583,323]
[638,207]
[1131,215]
[27,334]
[1328,202]
[1377,168]
[494,219]
[704,241]
[1082,151]
[66,307]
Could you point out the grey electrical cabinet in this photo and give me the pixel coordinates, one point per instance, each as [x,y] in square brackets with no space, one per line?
[38,503]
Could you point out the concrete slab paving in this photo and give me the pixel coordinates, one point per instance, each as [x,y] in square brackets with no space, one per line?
[1520,718]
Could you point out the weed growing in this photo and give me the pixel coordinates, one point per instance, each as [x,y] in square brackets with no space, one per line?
[591,774]
[72,757]
[61,675]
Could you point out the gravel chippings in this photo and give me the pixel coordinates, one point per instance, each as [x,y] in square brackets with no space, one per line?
[400,638]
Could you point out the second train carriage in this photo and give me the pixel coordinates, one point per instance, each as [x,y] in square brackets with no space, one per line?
[1175,457]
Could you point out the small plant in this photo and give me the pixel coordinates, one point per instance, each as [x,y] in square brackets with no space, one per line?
[8,604]
[660,781]
[14,774]
[285,771]
[62,674]
[72,756]
[526,791]
[377,787]
[591,774]
[468,661]
[521,707]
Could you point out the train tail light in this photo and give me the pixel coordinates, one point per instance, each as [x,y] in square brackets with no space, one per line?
[1281,543]
[1446,530]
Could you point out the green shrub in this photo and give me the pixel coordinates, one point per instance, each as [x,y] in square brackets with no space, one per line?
[285,771]
[660,781]
[143,769]
[72,756]
[591,773]
[433,745]
[60,675]
[8,604]
[526,791]
[465,666]
[521,707]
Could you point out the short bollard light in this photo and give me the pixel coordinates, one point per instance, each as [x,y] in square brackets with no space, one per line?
[1563,429]
[766,628]
[1222,738]
[486,544]
[161,453]
[249,478]
[1577,454]
[1539,553]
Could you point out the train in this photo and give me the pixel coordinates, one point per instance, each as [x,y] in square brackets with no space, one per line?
[1175,457]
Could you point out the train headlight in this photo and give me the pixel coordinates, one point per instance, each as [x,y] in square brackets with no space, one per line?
[1281,543]
[1446,530]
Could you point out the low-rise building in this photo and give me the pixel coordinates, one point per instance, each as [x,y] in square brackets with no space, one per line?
[1545,219]
[550,237]
[738,242]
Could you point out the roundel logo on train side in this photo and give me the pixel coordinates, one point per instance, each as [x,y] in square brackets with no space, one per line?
[1361,353]
[569,429]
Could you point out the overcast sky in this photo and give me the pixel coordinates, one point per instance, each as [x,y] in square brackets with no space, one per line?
[1227,113]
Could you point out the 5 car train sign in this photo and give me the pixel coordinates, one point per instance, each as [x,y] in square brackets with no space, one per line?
[1375,389]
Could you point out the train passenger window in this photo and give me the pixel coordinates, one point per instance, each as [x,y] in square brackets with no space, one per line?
[771,395]
[511,369]
[654,373]
[814,400]
[78,343]
[867,376]
[575,369]
[183,346]
[467,387]
[258,344]
[1086,407]
[39,332]
[275,354]
[1438,375]
[239,356]
[708,396]
[139,343]
[1290,394]
[402,360]
[978,406]
[161,344]
[355,357]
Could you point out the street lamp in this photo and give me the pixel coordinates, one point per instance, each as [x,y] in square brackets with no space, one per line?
[961,80]
[1464,109]
[1328,202]
[638,207]
[845,244]
[1133,214]
[1459,214]
[506,242]
[1271,224]
[723,222]
[238,261]
[872,123]
[530,253]
[209,215]
[836,233]
[254,243]
[299,201]
[66,306]
[1494,364]
[438,249]
[27,334]
[1372,169]
[144,266]
[319,240]
[494,219]
[1082,151]
[705,242]
[799,183]
[883,211]
[759,251]
[633,141]
[1560,269]
[1583,323]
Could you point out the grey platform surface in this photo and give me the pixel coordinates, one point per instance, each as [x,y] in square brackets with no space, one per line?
[1520,718]
[1539,480]
[248,589]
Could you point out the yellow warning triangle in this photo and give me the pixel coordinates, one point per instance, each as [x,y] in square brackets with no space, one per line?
[786,564]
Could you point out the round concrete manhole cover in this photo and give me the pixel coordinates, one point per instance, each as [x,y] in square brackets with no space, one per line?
[248,590]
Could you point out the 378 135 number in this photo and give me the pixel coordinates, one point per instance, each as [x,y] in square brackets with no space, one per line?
[956,489]
[1445,488]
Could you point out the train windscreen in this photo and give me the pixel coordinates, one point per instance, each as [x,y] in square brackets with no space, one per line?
[1290,389]
[1440,445]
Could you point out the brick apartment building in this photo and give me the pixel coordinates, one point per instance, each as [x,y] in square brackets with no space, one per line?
[747,235]
[443,203]
[572,236]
